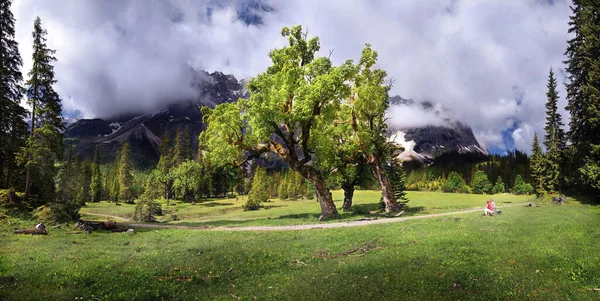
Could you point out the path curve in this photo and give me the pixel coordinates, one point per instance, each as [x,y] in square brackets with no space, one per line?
[114,217]
[310,226]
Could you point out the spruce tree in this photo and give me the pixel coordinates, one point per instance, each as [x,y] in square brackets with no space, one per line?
[125,175]
[537,167]
[258,193]
[583,89]
[13,129]
[499,186]
[96,183]
[554,139]
[85,181]
[183,147]
[282,191]
[45,143]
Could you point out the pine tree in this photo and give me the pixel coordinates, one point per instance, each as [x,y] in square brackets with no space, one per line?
[45,143]
[183,147]
[282,191]
[537,166]
[583,89]
[499,186]
[398,180]
[96,183]
[481,184]
[125,175]
[258,193]
[554,139]
[13,129]
[85,179]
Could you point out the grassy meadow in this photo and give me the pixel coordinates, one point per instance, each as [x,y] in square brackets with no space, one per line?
[229,212]
[542,253]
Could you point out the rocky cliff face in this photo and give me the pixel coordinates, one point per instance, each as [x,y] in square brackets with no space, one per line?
[426,142]
[144,131]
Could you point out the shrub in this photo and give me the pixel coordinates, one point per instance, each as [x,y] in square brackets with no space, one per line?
[310,192]
[521,187]
[499,186]
[146,209]
[454,183]
[481,184]
[56,213]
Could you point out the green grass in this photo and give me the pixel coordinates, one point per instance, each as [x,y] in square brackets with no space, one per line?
[229,212]
[543,253]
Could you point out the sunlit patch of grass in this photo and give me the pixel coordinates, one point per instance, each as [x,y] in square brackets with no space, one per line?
[229,212]
[542,253]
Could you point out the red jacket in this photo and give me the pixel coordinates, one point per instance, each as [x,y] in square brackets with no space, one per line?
[490,206]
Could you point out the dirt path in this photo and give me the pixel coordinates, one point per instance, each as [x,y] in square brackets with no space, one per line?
[311,226]
[115,218]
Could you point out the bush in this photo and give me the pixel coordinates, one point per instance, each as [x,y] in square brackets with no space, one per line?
[310,192]
[521,187]
[499,186]
[465,189]
[56,213]
[252,205]
[455,183]
[146,209]
[481,184]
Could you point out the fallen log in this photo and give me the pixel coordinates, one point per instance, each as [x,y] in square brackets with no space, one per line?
[32,231]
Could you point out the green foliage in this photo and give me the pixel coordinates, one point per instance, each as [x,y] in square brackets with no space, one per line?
[583,92]
[13,129]
[291,107]
[521,187]
[54,213]
[259,191]
[183,148]
[146,209]
[186,179]
[454,183]
[96,187]
[282,191]
[481,184]
[45,144]
[537,166]
[125,175]
[499,186]
[398,181]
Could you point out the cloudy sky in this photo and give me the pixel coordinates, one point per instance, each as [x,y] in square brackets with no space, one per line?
[485,60]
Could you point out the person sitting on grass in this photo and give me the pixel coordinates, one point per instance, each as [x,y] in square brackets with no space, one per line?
[489,208]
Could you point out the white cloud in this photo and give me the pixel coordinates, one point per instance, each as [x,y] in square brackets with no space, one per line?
[474,57]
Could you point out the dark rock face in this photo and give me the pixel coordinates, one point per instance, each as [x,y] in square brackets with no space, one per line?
[430,141]
[144,132]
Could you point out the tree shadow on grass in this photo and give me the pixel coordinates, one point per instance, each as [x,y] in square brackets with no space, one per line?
[300,216]
[214,204]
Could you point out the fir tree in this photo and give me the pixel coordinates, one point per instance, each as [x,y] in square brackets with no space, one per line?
[96,183]
[282,191]
[481,184]
[554,139]
[13,129]
[537,166]
[258,193]
[499,186]
[45,143]
[398,180]
[125,175]
[85,178]
[183,147]
[583,89]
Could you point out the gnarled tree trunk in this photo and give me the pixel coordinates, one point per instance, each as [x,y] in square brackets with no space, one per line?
[386,187]
[323,194]
[348,194]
